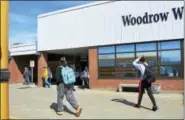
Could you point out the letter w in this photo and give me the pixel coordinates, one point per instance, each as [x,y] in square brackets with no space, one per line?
[164,16]
[178,12]
[126,21]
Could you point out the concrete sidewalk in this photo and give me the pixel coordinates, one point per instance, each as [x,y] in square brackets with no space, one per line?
[32,103]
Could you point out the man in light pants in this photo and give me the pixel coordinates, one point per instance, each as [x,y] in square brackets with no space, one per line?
[65,89]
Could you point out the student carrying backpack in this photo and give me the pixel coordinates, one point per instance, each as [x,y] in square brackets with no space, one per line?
[146,79]
[65,79]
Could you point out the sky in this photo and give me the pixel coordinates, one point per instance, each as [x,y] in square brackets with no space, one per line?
[23,17]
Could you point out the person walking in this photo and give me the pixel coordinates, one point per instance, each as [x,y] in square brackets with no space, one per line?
[27,75]
[46,76]
[85,78]
[64,89]
[145,83]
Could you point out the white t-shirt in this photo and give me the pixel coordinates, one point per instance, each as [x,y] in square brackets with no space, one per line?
[140,67]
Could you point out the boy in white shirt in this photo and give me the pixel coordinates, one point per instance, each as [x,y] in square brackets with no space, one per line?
[140,64]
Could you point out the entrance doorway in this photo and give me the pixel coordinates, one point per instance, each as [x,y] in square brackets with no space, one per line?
[77,59]
[80,63]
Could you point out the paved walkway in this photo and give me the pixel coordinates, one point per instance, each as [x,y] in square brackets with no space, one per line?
[40,103]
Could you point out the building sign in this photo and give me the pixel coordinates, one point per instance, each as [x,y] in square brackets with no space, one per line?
[152,18]
[32,63]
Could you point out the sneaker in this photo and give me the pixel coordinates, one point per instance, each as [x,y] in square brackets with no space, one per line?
[155,108]
[137,106]
[78,112]
[60,113]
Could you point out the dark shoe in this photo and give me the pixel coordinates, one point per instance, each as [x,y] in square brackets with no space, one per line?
[155,108]
[137,106]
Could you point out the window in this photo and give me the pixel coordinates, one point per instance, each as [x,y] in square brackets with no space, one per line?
[169,45]
[170,59]
[146,47]
[125,48]
[164,57]
[124,58]
[106,61]
[103,50]
[170,71]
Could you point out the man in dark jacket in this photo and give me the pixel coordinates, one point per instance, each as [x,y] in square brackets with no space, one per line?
[65,89]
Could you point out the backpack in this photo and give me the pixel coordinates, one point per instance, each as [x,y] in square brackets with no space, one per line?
[149,74]
[68,75]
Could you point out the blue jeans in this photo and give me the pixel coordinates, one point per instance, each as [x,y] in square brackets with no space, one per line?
[27,79]
[47,84]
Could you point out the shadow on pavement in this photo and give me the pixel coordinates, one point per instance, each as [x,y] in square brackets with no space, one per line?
[126,102]
[24,87]
[54,107]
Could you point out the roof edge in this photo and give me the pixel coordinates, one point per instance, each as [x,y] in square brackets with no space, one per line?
[73,8]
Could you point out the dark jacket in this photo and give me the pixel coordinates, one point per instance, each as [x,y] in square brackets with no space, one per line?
[59,78]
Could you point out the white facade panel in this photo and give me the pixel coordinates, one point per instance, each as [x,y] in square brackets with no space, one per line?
[23,49]
[20,53]
[103,25]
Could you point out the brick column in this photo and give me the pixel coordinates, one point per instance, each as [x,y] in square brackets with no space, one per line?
[15,72]
[93,68]
[42,62]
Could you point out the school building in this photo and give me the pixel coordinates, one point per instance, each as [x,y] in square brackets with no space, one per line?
[107,36]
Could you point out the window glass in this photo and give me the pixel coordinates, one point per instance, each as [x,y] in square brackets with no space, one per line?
[125,72]
[151,57]
[170,71]
[116,61]
[124,60]
[146,47]
[169,45]
[107,63]
[170,57]
[125,48]
[106,72]
[109,49]
[106,57]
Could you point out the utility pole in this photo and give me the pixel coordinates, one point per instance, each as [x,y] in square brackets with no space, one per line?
[4,74]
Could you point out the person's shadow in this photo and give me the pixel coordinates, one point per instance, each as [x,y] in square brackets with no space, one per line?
[126,102]
[54,107]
